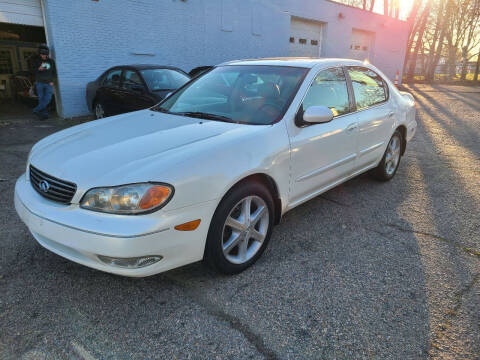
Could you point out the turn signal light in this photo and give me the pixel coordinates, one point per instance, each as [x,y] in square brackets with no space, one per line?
[154,196]
[189,226]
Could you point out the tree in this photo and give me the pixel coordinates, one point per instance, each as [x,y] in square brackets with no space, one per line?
[418,43]
[477,69]
[444,25]
[472,39]
[412,30]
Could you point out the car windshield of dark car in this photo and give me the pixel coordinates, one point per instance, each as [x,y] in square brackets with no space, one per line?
[164,79]
[248,94]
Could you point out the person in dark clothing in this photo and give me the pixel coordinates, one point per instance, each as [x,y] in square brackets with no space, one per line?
[45,72]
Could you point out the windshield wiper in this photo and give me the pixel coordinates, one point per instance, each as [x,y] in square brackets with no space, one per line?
[160,109]
[207,116]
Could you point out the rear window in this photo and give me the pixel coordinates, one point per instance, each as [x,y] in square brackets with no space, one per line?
[368,87]
[164,79]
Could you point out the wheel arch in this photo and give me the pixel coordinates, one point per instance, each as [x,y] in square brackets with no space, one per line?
[403,130]
[93,103]
[270,184]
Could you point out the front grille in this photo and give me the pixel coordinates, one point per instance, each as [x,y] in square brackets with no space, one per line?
[52,188]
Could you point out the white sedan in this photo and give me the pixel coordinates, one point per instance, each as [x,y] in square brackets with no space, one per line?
[207,173]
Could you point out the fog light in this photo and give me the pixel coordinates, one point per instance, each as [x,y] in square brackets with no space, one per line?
[131,263]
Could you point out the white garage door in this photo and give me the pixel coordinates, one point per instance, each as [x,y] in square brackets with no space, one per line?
[305,37]
[361,45]
[23,12]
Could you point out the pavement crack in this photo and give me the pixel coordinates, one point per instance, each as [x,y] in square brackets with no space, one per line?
[213,310]
[466,249]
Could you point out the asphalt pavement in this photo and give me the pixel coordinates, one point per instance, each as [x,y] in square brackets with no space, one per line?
[367,270]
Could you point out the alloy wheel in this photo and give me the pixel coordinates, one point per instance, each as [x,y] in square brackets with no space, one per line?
[392,156]
[245,229]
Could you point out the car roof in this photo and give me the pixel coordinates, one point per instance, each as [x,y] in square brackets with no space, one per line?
[306,62]
[147,66]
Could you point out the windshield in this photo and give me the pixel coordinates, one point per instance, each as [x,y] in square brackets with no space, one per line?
[164,79]
[248,94]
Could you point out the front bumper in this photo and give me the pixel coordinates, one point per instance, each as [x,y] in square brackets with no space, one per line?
[81,235]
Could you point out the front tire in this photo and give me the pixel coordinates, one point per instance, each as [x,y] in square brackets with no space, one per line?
[99,110]
[241,228]
[388,166]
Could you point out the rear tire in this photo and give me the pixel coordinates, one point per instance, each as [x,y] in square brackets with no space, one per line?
[388,166]
[240,229]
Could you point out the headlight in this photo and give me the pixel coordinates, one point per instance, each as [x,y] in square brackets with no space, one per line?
[128,199]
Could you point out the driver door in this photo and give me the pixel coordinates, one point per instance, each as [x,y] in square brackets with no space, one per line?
[323,154]
[134,93]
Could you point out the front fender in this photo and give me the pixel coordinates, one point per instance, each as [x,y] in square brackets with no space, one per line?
[209,173]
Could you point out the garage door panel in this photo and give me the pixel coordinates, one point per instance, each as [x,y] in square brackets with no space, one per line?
[361,47]
[23,12]
[305,37]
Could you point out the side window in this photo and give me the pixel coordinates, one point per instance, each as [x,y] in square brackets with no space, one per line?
[131,78]
[368,87]
[112,79]
[329,89]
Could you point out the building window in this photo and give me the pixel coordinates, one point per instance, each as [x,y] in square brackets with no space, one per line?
[6,63]
[302,41]
[314,42]
[28,56]
[292,39]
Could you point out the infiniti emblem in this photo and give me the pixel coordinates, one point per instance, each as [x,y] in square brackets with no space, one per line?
[44,186]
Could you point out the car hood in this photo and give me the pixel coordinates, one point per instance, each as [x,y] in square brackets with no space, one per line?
[95,153]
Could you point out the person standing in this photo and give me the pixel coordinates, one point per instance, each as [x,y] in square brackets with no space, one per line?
[45,73]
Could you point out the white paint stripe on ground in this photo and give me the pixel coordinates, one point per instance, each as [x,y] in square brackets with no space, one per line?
[80,350]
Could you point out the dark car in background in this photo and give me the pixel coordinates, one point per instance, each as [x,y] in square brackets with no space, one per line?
[127,88]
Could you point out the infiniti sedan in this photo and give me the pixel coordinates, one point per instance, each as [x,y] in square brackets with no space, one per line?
[209,171]
[129,88]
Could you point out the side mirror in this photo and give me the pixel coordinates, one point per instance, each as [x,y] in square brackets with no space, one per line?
[317,115]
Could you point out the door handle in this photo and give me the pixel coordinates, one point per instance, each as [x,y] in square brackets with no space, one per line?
[391,114]
[352,127]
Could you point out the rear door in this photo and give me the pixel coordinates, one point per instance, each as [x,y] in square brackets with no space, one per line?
[323,154]
[375,114]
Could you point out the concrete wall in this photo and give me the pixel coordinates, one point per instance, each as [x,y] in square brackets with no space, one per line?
[88,36]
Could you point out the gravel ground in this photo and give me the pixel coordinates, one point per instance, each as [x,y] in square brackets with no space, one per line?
[367,270]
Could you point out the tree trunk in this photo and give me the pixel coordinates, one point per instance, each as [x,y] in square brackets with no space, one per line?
[452,62]
[463,74]
[372,5]
[431,54]
[423,59]
[421,31]
[411,31]
[477,69]
[385,8]
[364,4]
